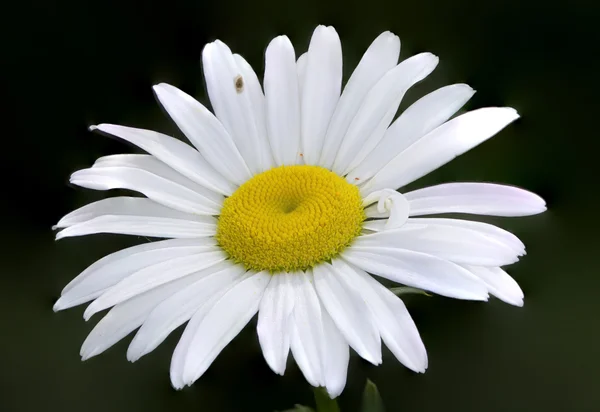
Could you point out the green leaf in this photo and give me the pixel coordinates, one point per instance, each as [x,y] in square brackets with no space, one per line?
[407,290]
[324,402]
[300,408]
[371,401]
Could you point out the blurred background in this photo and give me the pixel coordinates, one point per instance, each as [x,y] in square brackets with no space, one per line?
[71,64]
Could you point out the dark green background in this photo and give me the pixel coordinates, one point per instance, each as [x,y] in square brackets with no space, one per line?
[72,64]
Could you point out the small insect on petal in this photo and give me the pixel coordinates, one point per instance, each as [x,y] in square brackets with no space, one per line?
[238,82]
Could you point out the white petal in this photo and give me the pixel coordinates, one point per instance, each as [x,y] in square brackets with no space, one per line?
[420,118]
[174,153]
[113,268]
[134,216]
[348,310]
[205,132]
[391,202]
[380,57]
[306,339]
[222,323]
[257,102]
[375,225]
[379,108]
[320,90]
[441,146]
[475,198]
[391,317]
[178,361]
[498,234]
[336,356]
[155,187]
[419,270]
[179,354]
[499,284]
[273,321]
[301,68]
[125,317]
[153,165]
[282,101]
[143,226]
[232,104]
[181,306]
[183,346]
[153,276]
[125,206]
[454,243]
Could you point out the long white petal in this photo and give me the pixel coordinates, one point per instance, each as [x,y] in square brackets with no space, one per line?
[208,199]
[222,323]
[389,314]
[183,346]
[126,206]
[176,154]
[153,276]
[179,359]
[301,68]
[441,146]
[143,226]
[155,187]
[125,317]
[420,118]
[181,306]
[306,339]
[498,234]
[134,216]
[113,268]
[499,283]
[475,198]
[320,90]
[336,355]
[282,101]
[273,327]
[232,104]
[257,103]
[380,57]
[419,270]
[205,132]
[348,310]
[454,243]
[151,164]
[378,110]
[493,233]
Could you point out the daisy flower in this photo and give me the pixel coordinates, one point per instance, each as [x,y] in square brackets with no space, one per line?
[286,206]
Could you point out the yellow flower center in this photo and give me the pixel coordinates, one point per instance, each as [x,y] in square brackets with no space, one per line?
[290,218]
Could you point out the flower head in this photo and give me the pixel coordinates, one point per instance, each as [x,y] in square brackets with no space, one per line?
[287,206]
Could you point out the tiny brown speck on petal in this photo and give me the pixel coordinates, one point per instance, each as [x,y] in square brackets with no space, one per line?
[239,83]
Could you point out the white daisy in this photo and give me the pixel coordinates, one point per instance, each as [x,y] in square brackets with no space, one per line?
[287,206]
